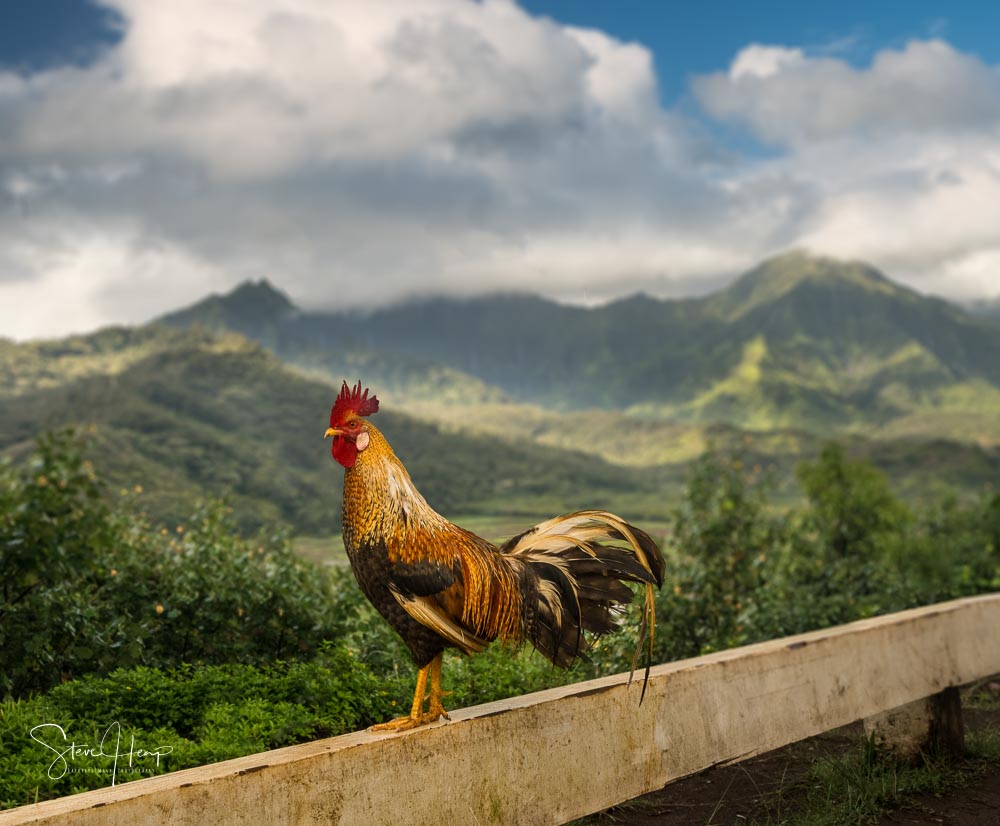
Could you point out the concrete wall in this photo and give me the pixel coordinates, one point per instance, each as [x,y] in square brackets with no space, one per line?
[557,755]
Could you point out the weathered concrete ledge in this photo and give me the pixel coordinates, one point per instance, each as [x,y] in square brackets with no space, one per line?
[556,755]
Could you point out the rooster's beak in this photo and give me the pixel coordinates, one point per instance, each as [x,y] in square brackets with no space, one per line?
[331,431]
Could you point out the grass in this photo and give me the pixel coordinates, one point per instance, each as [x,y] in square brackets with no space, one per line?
[323,550]
[855,787]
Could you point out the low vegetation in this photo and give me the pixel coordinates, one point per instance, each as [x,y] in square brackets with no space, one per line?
[197,644]
[857,787]
[211,417]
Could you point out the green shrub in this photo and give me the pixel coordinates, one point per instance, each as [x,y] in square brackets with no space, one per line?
[204,594]
[740,572]
[193,716]
[85,589]
[722,535]
[956,549]
[55,539]
[500,672]
[850,506]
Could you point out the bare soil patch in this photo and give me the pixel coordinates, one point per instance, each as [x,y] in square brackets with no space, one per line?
[766,790]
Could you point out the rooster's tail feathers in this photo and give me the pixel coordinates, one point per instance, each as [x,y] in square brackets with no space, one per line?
[575,568]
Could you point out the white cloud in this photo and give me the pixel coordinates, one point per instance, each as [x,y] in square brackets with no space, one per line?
[249,90]
[69,275]
[354,153]
[928,214]
[787,98]
[902,154]
[976,274]
[757,61]
[359,153]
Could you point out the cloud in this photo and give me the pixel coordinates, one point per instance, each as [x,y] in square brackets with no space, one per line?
[253,90]
[363,153]
[751,64]
[903,153]
[785,97]
[923,207]
[355,153]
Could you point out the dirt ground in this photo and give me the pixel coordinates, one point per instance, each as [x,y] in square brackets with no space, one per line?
[762,790]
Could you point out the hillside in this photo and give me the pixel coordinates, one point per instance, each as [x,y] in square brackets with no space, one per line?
[317,344]
[799,343]
[186,416]
[834,346]
[519,405]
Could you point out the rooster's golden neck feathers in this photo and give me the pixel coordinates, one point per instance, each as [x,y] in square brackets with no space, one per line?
[380,499]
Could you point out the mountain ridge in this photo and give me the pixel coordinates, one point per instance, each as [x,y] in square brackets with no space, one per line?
[799,340]
[212,416]
[188,413]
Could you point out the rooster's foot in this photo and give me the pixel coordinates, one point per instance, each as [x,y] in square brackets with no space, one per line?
[419,717]
[407,723]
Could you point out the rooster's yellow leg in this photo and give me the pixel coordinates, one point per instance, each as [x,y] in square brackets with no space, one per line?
[418,716]
[435,709]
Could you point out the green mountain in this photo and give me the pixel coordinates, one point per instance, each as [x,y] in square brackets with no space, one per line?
[252,306]
[262,313]
[831,346]
[187,415]
[524,406]
[799,342]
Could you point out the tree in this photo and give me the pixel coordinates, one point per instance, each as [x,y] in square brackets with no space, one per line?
[850,505]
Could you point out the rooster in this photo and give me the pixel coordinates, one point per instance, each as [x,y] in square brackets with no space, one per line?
[441,586]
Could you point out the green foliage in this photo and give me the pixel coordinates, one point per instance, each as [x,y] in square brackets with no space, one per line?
[740,572]
[722,534]
[191,716]
[501,672]
[970,531]
[851,507]
[203,645]
[856,787]
[55,532]
[85,589]
[842,551]
[203,594]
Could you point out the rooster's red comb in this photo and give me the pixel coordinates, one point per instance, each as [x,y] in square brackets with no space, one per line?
[352,401]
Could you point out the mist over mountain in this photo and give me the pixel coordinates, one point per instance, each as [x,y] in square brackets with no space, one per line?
[799,341]
[988,309]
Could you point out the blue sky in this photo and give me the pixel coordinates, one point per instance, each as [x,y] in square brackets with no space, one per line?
[43,33]
[696,38]
[365,153]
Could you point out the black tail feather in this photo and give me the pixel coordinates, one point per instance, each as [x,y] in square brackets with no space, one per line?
[573,582]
